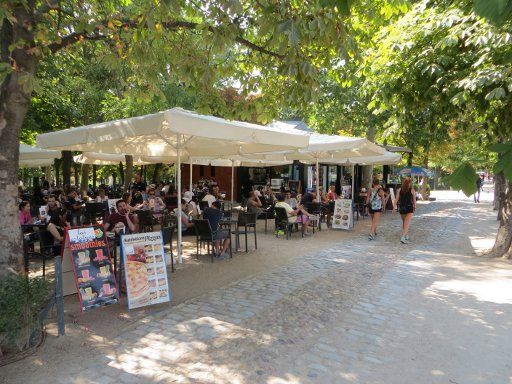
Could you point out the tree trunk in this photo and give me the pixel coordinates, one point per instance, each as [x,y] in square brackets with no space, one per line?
[156,173]
[84,180]
[94,175]
[424,181]
[368,169]
[121,173]
[56,165]
[128,172]
[503,244]
[410,159]
[499,188]
[14,101]
[67,159]
[77,172]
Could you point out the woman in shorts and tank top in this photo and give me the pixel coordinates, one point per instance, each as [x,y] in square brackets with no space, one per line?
[375,201]
[406,203]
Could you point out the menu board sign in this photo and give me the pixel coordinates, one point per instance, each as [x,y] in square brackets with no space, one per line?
[342,214]
[144,266]
[94,273]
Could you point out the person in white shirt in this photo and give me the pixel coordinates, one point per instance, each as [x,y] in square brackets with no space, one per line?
[209,198]
[101,198]
[195,211]
[298,215]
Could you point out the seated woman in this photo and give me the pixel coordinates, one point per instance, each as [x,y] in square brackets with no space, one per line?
[187,227]
[254,204]
[154,201]
[102,197]
[192,207]
[24,213]
[58,224]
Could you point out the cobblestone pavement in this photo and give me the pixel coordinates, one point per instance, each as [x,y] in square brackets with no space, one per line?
[357,312]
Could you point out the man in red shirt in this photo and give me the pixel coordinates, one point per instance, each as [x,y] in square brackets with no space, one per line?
[122,219]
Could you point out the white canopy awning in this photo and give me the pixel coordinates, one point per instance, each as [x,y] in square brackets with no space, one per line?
[156,135]
[36,157]
[97,158]
[236,161]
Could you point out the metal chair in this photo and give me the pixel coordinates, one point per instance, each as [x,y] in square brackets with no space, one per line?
[282,222]
[94,211]
[246,221]
[145,220]
[204,234]
[167,235]
[47,247]
[203,205]
[315,209]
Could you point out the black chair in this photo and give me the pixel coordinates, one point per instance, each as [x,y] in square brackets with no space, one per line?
[204,234]
[316,209]
[47,247]
[244,223]
[145,220]
[94,212]
[267,214]
[167,234]
[282,222]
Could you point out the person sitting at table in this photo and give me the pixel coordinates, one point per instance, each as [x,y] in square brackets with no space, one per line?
[309,197]
[214,215]
[297,215]
[187,227]
[254,204]
[127,197]
[208,197]
[58,224]
[122,219]
[24,213]
[192,207]
[269,197]
[137,185]
[171,199]
[102,197]
[216,192]
[291,201]
[73,206]
[332,195]
[153,200]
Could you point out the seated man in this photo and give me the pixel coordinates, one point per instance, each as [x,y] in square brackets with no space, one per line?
[214,216]
[291,201]
[122,220]
[187,227]
[209,197]
[254,204]
[298,215]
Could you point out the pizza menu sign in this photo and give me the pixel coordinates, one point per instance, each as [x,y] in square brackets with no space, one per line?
[144,266]
[94,273]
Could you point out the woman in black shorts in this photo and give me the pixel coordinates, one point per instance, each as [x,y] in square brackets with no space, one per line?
[375,202]
[406,203]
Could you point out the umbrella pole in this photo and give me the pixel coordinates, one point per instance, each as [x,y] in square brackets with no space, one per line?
[352,193]
[232,182]
[178,183]
[317,182]
[190,181]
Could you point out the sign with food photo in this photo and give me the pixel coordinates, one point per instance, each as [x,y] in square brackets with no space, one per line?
[342,218]
[145,271]
[94,273]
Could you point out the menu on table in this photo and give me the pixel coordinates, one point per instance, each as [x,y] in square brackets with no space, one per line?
[145,271]
[342,214]
[94,272]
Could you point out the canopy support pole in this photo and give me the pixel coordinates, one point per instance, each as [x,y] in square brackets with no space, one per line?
[190,181]
[232,183]
[318,198]
[352,192]
[178,184]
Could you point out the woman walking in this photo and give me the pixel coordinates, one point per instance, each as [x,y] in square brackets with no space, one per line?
[375,202]
[406,203]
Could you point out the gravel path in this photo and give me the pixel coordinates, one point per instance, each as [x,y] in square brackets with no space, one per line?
[355,312]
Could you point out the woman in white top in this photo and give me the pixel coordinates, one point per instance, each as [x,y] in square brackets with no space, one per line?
[101,198]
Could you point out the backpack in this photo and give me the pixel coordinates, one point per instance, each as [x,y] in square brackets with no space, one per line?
[375,200]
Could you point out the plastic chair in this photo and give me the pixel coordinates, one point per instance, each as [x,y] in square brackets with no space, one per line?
[316,210]
[47,247]
[246,221]
[203,234]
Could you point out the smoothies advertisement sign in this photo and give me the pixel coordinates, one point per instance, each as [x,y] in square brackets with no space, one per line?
[144,265]
[94,274]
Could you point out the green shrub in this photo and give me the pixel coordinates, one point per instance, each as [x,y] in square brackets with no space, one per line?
[21,300]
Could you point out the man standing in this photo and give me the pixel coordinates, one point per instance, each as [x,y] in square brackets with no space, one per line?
[138,185]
